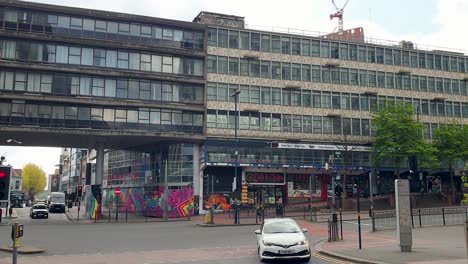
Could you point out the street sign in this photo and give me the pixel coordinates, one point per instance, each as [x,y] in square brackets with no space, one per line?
[117,191]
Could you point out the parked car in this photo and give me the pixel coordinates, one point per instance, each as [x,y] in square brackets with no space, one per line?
[282,238]
[39,211]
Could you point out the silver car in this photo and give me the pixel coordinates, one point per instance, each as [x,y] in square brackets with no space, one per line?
[282,238]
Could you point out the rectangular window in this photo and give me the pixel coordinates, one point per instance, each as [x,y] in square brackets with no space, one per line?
[212,64]
[233,39]
[222,38]
[266,95]
[265,44]
[296,72]
[325,49]
[316,73]
[344,51]
[362,54]
[296,46]
[276,96]
[315,48]
[255,41]
[276,70]
[306,74]
[305,47]
[244,67]
[223,92]
[233,66]
[254,68]
[265,69]
[285,45]
[212,37]
[134,61]
[276,44]
[223,66]
[244,40]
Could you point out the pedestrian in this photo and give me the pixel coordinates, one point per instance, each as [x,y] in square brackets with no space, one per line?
[1,211]
[10,211]
[429,186]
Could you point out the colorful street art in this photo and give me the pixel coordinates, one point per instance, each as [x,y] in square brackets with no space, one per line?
[93,207]
[136,201]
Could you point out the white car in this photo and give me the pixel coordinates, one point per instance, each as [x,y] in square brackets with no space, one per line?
[39,211]
[282,238]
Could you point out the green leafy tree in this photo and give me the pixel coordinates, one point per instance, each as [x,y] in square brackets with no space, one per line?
[398,136]
[34,179]
[450,142]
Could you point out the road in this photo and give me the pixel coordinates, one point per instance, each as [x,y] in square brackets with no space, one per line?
[145,243]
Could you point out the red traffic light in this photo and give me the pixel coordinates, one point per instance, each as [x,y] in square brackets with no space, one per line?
[80,188]
[2,174]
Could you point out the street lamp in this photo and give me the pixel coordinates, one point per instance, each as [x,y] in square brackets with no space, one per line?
[236,148]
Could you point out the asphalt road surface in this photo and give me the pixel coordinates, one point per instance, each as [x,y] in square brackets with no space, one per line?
[136,243]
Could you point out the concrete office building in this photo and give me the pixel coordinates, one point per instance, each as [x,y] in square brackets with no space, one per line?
[304,99]
[89,79]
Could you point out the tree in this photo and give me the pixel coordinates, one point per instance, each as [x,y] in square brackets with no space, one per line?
[450,141]
[34,179]
[398,136]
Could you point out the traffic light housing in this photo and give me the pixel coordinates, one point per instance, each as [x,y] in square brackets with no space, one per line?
[338,190]
[5,176]
[79,191]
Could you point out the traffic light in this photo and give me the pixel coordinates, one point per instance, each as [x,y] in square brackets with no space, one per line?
[5,175]
[79,191]
[338,190]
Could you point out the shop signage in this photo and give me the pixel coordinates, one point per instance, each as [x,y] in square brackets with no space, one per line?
[245,198]
[264,178]
[323,147]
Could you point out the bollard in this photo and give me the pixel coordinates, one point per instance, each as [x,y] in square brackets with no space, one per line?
[443,215]
[420,225]
[108,218]
[412,221]
[126,214]
[117,215]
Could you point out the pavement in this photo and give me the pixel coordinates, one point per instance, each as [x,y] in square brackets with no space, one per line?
[431,245]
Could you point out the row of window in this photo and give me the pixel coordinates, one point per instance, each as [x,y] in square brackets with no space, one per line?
[86,85]
[336,50]
[22,20]
[89,56]
[254,154]
[20,112]
[329,100]
[289,123]
[336,75]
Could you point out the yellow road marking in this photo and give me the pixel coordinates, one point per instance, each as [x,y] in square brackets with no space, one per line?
[320,256]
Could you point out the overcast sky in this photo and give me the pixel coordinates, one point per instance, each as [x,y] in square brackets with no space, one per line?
[430,22]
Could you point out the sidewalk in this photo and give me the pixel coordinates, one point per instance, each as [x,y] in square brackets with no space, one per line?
[431,245]
[72,215]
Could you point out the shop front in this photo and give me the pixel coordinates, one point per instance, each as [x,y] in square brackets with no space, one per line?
[265,188]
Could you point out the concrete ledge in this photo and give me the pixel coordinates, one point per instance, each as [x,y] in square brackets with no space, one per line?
[222,225]
[22,249]
[319,249]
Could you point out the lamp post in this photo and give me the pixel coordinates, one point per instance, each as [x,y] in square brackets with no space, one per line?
[236,147]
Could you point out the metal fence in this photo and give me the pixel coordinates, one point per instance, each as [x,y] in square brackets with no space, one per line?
[382,220]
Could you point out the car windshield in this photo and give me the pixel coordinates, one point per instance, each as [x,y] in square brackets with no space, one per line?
[40,207]
[57,200]
[281,227]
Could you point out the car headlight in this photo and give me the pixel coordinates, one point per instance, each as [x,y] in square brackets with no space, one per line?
[267,244]
[303,242]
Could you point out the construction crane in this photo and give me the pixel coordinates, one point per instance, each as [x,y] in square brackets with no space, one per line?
[339,15]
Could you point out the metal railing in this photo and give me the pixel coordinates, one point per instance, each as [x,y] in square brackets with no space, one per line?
[382,220]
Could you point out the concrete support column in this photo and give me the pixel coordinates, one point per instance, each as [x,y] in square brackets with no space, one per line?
[99,163]
[403,214]
[196,170]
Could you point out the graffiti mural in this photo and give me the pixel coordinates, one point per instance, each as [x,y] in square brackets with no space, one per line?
[136,201]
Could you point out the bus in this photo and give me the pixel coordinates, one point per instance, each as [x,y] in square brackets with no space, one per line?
[16,199]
